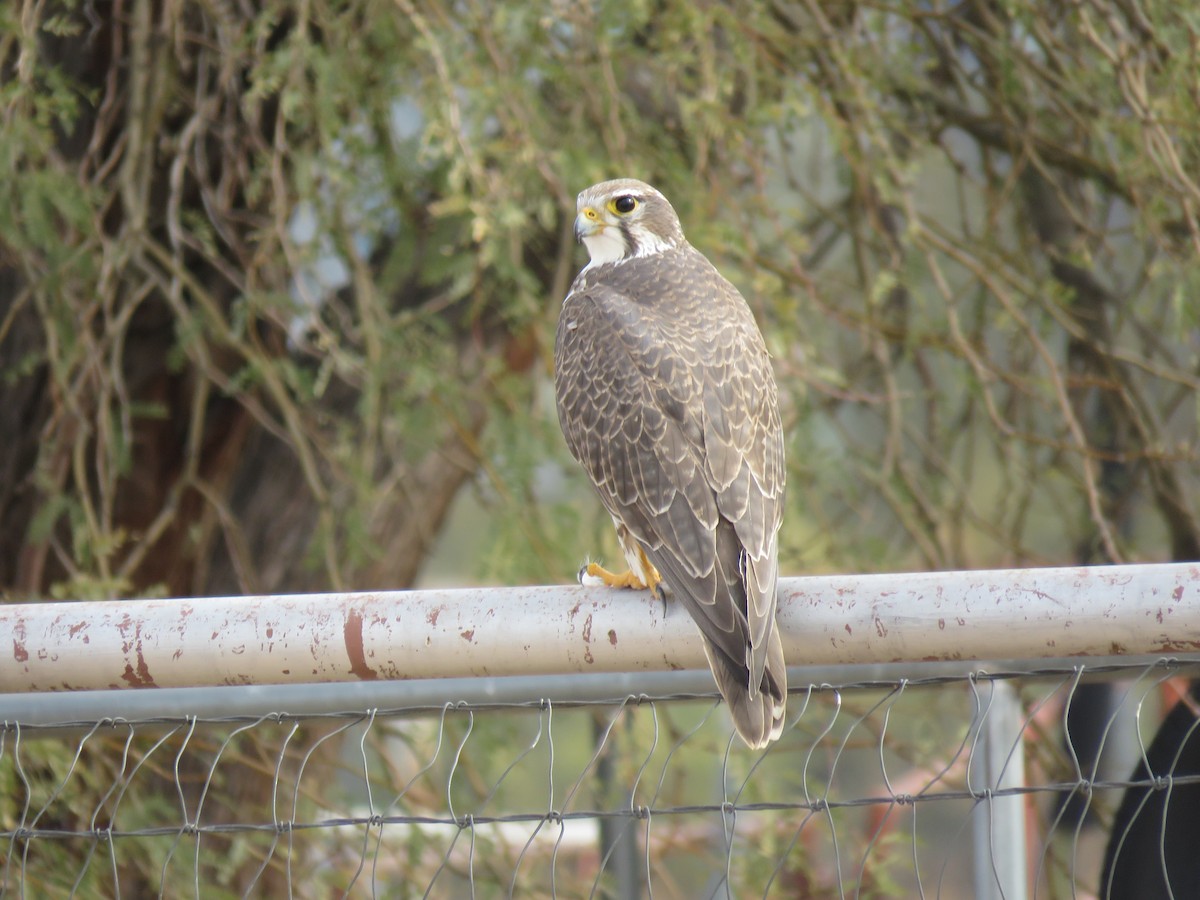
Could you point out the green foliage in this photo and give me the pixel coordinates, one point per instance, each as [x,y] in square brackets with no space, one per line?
[277,282]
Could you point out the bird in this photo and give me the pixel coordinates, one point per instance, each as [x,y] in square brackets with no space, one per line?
[666,397]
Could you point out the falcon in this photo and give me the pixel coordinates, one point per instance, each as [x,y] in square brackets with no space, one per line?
[666,397]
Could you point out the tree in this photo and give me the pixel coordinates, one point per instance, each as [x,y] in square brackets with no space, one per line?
[277,283]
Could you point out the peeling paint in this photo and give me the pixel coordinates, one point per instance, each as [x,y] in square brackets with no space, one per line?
[137,678]
[352,631]
[825,619]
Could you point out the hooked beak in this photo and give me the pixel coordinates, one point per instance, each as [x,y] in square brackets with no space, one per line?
[587,223]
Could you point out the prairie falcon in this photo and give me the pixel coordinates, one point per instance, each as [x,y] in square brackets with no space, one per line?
[666,396]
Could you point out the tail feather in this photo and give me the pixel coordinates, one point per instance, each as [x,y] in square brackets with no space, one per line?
[758,718]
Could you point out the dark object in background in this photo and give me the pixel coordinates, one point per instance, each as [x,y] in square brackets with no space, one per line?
[1155,838]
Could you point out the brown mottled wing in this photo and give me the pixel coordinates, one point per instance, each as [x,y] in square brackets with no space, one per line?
[666,396]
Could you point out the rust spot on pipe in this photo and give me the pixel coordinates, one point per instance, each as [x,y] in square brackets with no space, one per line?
[353,632]
[1177,594]
[587,640]
[468,635]
[20,652]
[612,636]
[138,676]
[130,677]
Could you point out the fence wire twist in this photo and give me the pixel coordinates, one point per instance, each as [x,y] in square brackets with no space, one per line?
[875,789]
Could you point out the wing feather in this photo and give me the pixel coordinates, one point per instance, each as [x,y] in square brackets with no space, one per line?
[666,396]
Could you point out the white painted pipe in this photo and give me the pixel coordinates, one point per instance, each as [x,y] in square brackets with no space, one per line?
[844,619]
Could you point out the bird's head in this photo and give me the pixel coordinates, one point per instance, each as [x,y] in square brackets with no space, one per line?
[623,219]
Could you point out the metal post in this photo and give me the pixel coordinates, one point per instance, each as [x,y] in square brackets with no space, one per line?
[618,837]
[999,825]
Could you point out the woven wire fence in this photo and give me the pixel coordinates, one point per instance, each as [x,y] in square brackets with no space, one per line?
[878,788]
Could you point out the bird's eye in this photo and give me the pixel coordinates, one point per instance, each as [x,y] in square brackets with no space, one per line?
[625,204]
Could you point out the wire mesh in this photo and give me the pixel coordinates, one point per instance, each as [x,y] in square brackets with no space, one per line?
[876,789]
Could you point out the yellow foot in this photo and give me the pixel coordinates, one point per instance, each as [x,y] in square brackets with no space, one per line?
[596,574]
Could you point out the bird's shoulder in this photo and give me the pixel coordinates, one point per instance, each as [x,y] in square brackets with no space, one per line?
[648,278]
[669,313]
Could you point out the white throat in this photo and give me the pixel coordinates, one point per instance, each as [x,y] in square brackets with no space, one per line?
[608,246]
[605,246]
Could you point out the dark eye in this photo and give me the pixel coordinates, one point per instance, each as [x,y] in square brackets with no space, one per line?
[625,204]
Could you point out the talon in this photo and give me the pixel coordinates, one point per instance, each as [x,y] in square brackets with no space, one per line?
[660,591]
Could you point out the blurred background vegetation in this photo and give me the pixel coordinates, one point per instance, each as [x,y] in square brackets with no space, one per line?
[278,281]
